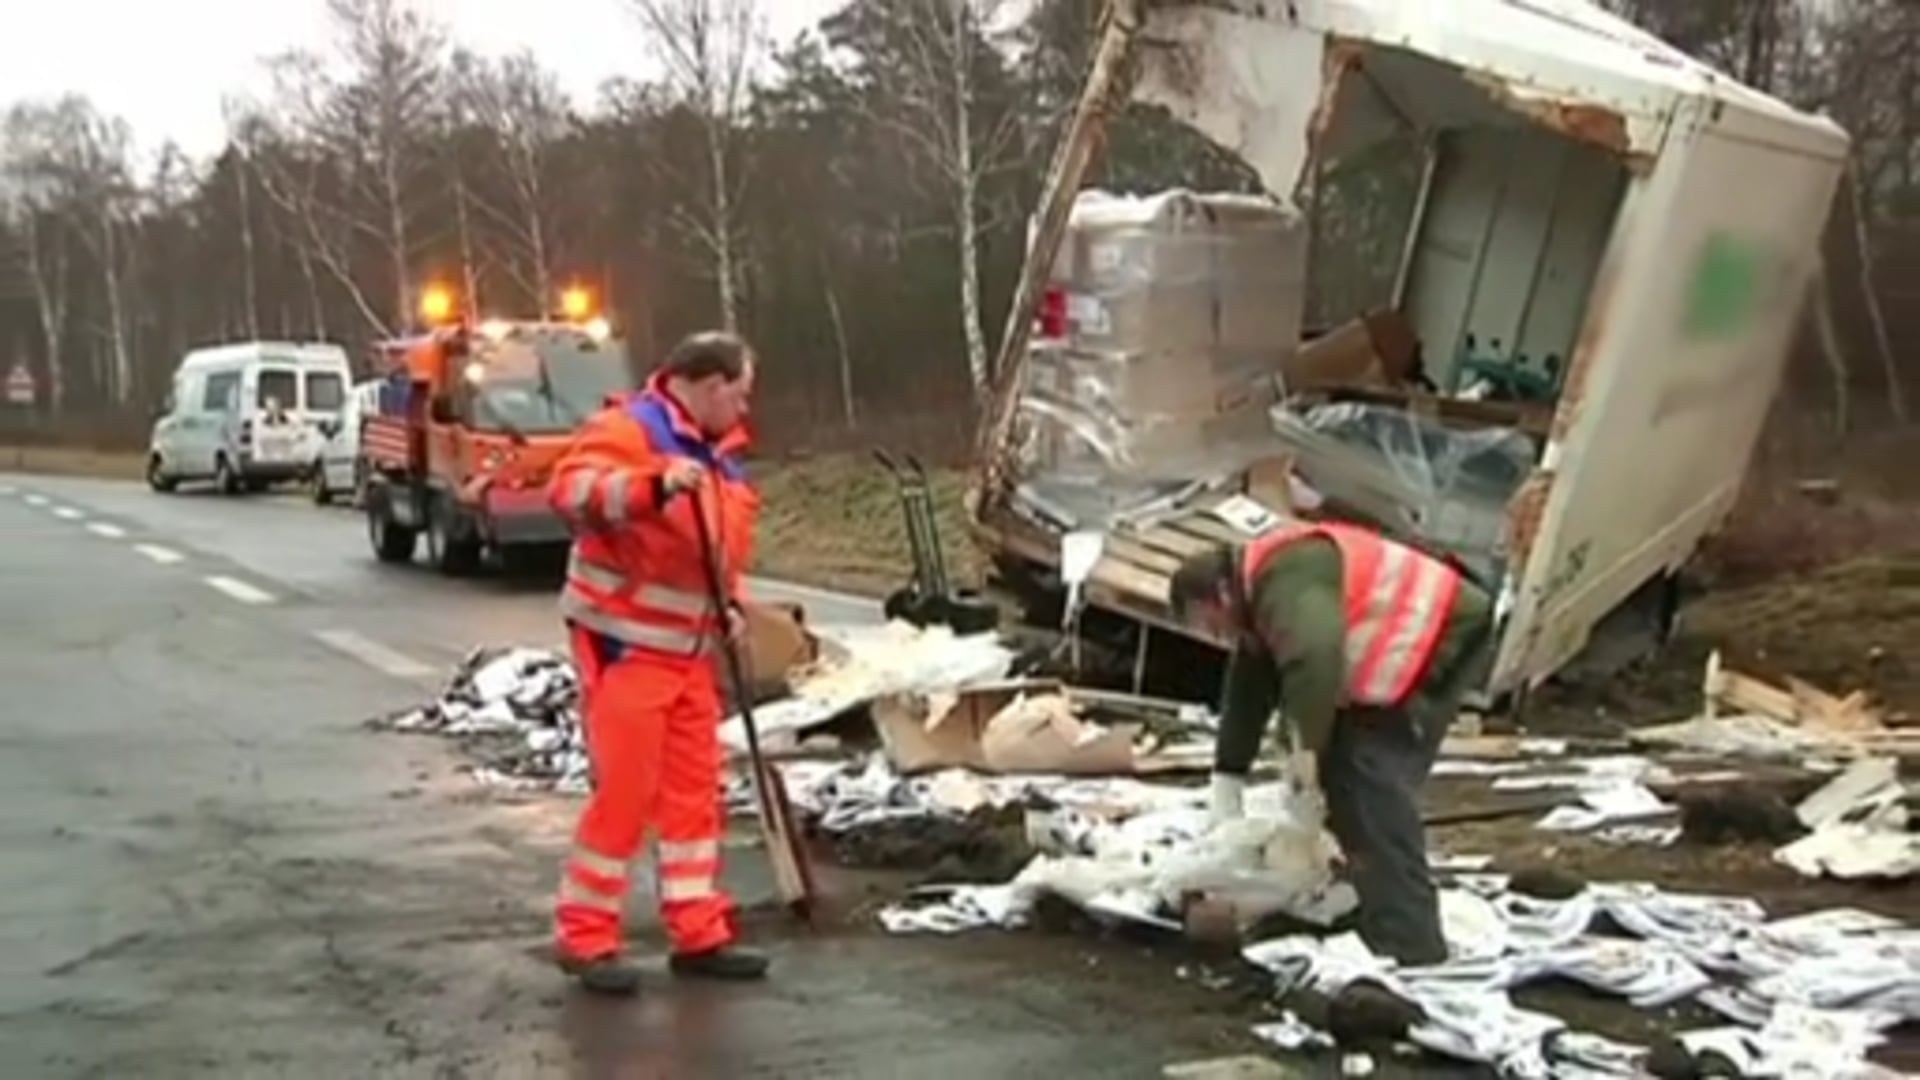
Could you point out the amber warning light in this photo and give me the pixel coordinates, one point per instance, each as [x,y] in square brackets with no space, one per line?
[576,304]
[436,304]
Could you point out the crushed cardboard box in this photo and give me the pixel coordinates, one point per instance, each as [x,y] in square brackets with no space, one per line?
[1024,726]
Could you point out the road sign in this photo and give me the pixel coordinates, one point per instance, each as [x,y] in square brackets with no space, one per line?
[20,385]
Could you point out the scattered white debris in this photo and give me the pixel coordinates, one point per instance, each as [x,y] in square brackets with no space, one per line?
[1819,987]
[530,698]
[1859,824]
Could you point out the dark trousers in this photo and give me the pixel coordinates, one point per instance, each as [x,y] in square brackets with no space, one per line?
[1372,771]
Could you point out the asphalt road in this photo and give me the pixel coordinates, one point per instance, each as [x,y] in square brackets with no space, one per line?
[212,869]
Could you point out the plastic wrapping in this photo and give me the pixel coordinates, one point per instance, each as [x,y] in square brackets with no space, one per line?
[1177,313]
[1412,475]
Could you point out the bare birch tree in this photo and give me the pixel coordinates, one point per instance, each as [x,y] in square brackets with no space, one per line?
[520,106]
[363,141]
[71,171]
[31,206]
[928,96]
[707,49]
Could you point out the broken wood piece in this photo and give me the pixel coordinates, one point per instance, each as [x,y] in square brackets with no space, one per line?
[1799,703]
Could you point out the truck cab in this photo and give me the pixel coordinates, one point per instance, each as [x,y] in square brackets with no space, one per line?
[468,429]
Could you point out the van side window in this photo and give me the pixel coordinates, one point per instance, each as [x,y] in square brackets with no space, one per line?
[221,392]
[325,391]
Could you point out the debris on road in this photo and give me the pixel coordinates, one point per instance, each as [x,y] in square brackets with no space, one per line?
[518,709]
[1852,976]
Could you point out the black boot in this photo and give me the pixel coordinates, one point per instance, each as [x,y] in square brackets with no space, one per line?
[725,962]
[609,974]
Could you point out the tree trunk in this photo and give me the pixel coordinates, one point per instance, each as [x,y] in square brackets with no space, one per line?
[116,310]
[1831,350]
[966,193]
[1896,388]
[249,269]
[847,411]
[469,280]
[722,227]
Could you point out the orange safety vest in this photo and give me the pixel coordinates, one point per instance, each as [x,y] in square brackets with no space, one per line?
[1396,600]
[635,572]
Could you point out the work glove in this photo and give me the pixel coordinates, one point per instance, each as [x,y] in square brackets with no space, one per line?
[1229,798]
[1304,800]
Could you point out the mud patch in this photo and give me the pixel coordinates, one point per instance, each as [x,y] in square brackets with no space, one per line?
[1842,628]
[988,846]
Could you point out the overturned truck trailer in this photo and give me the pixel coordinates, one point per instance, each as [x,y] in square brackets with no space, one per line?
[1607,255]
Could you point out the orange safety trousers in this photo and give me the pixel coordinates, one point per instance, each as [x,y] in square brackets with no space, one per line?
[652,728]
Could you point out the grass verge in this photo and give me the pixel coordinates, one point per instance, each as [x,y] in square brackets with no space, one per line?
[74,461]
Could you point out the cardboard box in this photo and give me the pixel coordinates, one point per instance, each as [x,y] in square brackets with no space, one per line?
[1378,349]
[777,642]
[1012,727]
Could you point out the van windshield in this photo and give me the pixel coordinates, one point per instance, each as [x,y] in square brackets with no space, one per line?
[277,385]
[545,385]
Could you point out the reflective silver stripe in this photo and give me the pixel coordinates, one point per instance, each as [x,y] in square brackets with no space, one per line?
[572,892]
[679,601]
[581,610]
[686,888]
[1396,562]
[580,492]
[615,508]
[599,575]
[1404,628]
[680,851]
[594,862]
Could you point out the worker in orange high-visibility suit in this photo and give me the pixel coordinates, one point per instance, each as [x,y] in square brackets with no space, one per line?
[646,639]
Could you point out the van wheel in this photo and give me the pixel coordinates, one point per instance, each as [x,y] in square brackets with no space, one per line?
[225,480]
[452,557]
[391,543]
[157,477]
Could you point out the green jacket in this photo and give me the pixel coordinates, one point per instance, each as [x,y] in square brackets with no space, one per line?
[1297,601]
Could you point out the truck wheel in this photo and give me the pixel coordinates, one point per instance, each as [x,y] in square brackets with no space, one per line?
[157,477]
[452,557]
[391,543]
[225,480]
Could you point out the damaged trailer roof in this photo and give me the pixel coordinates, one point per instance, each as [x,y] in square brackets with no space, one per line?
[1259,76]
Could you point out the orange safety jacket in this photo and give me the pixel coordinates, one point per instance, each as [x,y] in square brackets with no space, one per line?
[1397,601]
[635,574]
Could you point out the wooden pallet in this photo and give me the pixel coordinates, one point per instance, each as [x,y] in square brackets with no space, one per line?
[1137,564]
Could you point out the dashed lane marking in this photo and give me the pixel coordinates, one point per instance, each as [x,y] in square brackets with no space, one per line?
[8,489]
[111,532]
[163,556]
[36,500]
[373,654]
[67,513]
[239,590]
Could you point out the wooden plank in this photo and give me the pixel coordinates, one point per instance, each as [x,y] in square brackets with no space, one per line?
[1177,544]
[1209,528]
[1138,554]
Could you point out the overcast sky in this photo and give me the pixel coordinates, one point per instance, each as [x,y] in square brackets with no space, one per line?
[164,64]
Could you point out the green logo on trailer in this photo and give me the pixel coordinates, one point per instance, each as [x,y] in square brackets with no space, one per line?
[1728,283]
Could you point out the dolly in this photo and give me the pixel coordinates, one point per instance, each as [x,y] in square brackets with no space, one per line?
[930,598]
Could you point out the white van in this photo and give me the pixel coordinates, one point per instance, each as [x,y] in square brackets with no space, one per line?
[248,415]
[338,470]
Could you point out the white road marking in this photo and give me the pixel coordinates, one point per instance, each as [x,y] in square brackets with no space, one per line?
[163,556]
[8,489]
[373,654]
[239,590]
[67,513]
[36,500]
[101,528]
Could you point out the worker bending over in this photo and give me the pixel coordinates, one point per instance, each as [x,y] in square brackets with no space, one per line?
[646,638]
[1366,646]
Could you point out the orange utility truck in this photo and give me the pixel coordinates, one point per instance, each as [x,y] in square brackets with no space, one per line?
[470,422]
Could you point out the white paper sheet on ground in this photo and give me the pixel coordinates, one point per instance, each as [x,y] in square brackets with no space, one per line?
[896,658]
[1846,850]
[1292,1033]
[1869,783]
[1797,1043]
[1479,1025]
[1637,835]
[1620,800]
[953,909]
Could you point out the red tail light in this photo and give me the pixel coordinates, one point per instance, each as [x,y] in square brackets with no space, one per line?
[1053,313]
